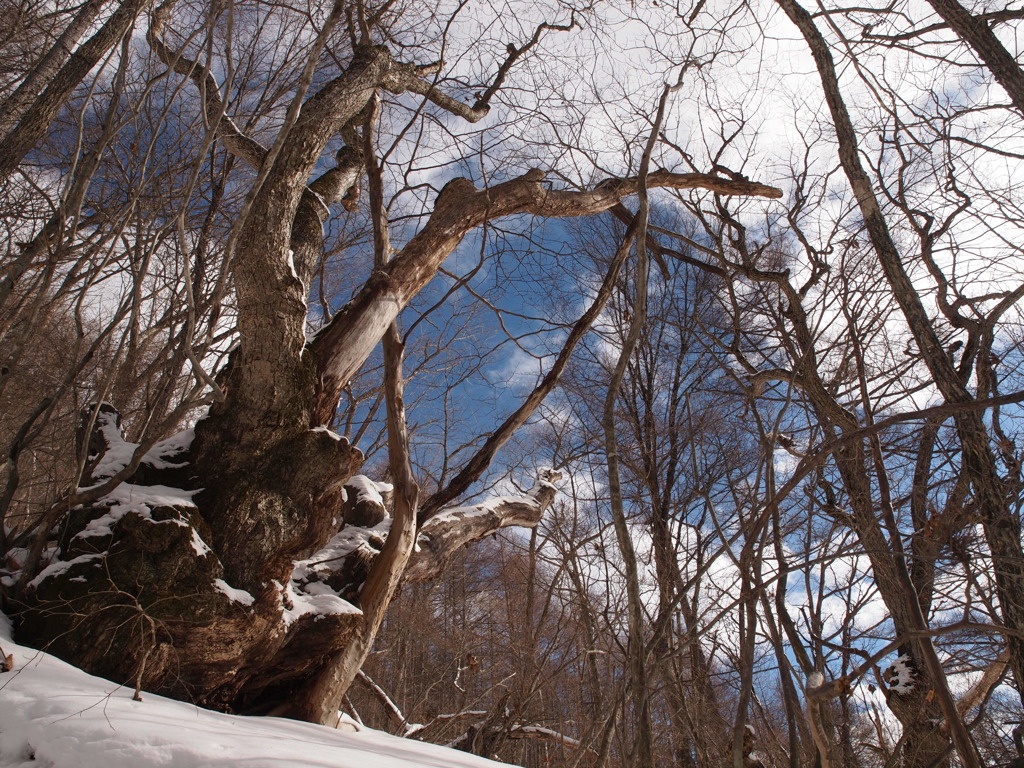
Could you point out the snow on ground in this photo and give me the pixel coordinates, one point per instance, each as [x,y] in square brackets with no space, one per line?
[53,715]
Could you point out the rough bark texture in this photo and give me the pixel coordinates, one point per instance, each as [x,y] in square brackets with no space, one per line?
[146,589]
[139,574]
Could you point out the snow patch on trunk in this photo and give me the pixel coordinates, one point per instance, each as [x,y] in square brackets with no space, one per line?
[369,490]
[120,452]
[341,545]
[62,565]
[140,500]
[199,545]
[232,594]
[316,599]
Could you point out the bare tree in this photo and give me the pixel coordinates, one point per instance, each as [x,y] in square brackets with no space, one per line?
[176,559]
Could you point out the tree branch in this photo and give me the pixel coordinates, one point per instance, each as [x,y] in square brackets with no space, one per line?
[38,115]
[346,342]
[443,535]
[482,459]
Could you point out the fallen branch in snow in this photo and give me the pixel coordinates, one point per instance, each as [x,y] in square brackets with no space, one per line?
[517,731]
[544,734]
[417,730]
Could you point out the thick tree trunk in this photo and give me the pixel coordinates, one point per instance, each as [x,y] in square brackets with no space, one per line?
[145,590]
[156,591]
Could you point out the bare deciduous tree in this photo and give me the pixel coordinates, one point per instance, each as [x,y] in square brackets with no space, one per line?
[213,565]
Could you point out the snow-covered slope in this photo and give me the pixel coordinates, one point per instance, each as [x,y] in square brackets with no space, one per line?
[53,715]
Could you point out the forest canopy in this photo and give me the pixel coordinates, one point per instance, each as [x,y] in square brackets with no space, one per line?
[700,323]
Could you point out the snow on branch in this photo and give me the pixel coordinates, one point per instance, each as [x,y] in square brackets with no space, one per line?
[109,453]
[443,535]
[392,709]
[544,734]
[341,566]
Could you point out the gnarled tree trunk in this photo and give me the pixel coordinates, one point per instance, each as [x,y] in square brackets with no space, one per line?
[225,567]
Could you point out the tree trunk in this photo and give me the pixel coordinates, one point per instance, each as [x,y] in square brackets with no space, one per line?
[146,590]
[229,569]
[1002,531]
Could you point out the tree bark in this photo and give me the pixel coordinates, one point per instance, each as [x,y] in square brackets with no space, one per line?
[36,117]
[977,33]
